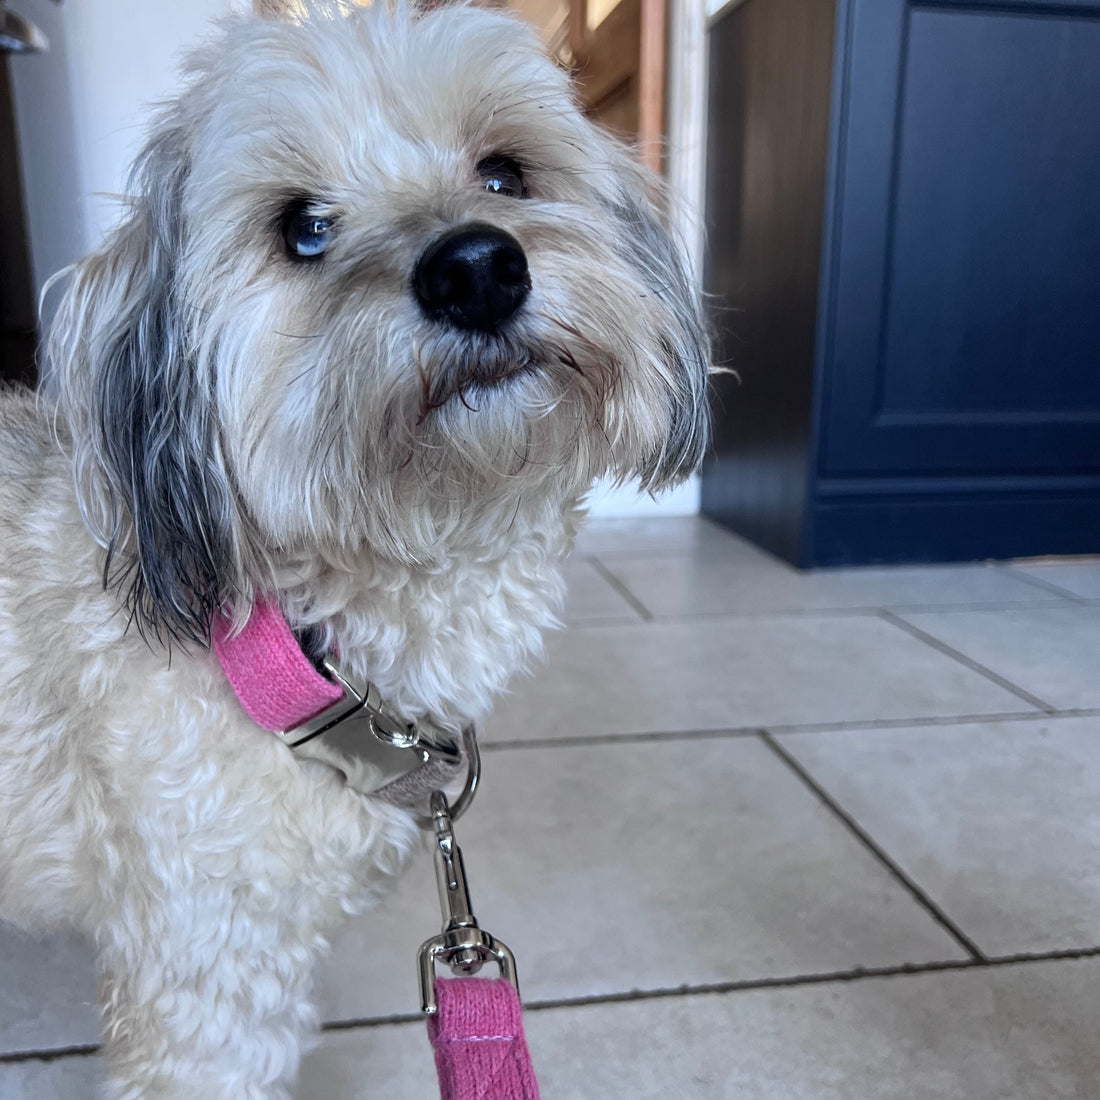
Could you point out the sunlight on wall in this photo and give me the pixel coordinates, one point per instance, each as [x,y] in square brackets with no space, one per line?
[598,11]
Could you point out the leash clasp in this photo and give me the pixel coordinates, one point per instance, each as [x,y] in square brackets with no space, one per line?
[363,700]
[462,945]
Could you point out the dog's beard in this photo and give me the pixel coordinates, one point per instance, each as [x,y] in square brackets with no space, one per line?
[471,367]
[367,412]
[474,420]
[518,412]
[352,449]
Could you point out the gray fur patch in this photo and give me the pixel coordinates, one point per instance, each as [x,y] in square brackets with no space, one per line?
[685,342]
[142,419]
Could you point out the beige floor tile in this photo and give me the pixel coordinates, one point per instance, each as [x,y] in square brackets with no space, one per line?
[611,868]
[998,823]
[390,1062]
[47,992]
[1052,652]
[1078,576]
[71,1078]
[1021,1032]
[738,672]
[591,597]
[672,586]
[686,536]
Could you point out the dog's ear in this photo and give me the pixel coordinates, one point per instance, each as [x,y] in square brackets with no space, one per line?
[150,480]
[682,334]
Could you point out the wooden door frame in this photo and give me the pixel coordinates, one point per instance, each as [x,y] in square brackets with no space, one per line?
[671,129]
[685,160]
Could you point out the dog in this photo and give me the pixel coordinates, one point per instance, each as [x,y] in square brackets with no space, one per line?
[382,304]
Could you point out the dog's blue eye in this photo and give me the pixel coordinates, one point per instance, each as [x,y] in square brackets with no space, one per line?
[307,234]
[502,176]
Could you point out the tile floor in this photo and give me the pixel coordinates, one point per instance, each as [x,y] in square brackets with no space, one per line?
[751,833]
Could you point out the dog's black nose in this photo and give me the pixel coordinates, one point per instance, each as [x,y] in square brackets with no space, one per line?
[475,276]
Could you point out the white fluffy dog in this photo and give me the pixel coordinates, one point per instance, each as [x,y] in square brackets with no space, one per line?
[382,306]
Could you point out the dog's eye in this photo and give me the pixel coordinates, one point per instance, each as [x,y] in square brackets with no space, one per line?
[307,234]
[502,176]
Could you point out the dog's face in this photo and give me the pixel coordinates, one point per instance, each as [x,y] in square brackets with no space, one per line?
[380,272]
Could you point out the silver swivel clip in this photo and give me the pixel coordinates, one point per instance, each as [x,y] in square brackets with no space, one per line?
[462,945]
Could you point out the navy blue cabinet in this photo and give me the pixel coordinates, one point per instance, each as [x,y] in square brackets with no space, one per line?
[904,214]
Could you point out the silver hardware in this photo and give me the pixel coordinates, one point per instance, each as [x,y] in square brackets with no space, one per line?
[469,788]
[463,946]
[363,696]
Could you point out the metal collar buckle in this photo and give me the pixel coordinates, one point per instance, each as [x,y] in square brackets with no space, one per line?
[362,704]
[363,698]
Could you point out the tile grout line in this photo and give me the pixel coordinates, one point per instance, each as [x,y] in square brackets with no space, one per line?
[53,1054]
[1047,586]
[739,985]
[640,608]
[799,728]
[864,611]
[916,892]
[794,981]
[932,721]
[853,612]
[969,662]
[603,620]
[581,740]
[743,985]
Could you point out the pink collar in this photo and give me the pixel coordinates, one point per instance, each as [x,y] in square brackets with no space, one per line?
[276,683]
[332,718]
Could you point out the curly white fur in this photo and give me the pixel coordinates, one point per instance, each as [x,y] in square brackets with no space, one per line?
[232,421]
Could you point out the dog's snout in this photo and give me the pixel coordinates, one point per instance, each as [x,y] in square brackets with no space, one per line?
[475,276]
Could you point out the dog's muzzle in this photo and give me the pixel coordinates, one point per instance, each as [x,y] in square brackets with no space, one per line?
[475,277]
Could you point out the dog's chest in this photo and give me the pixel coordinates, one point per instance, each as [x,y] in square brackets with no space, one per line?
[443,640]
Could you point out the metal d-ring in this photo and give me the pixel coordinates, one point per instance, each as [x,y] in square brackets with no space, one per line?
[473,777]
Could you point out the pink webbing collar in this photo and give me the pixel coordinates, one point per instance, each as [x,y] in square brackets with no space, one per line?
[274,680]
[477,1036]
[281,690]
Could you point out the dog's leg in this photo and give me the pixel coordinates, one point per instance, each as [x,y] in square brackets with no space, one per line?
[206,996]
[218,908]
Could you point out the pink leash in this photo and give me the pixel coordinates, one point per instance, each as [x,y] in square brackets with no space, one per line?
[475,1025]
[477,1035]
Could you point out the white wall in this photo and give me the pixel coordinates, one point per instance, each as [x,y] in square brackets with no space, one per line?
[80,111]
[80,108]
[42,93]
[681,501]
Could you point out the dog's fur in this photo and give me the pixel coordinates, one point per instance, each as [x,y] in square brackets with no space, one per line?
[231,421]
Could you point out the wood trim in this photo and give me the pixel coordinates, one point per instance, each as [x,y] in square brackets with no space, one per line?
[652,66]
[687,124]
[577,24]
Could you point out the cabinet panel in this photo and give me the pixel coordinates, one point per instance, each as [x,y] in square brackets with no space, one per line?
[964,332]
[769,90]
